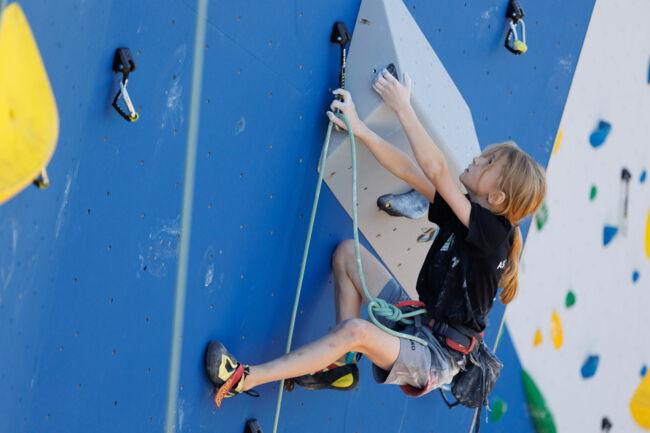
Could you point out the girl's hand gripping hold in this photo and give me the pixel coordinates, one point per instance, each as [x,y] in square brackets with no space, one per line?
[346,106]
[396,96]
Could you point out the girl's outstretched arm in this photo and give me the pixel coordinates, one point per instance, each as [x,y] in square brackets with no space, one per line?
[390,157]
[428,156]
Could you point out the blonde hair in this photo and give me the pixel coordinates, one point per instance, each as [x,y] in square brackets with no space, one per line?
[523,181]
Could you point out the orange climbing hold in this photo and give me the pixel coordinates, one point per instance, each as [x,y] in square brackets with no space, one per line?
[557,334]
[558,140]
[647,236]
[538,338]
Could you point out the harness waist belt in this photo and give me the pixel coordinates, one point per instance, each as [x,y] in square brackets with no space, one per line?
[462,341]
[458,338]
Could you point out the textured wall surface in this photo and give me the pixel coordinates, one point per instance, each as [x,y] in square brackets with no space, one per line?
[590,263]
[88,266]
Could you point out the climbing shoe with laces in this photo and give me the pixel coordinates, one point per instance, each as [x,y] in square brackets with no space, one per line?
[340,376]
[225,372]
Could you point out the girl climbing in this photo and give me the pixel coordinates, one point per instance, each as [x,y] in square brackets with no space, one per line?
[476,251]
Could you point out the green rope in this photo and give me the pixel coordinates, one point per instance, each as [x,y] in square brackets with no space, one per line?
[186,221]
[376,306]
[321,169]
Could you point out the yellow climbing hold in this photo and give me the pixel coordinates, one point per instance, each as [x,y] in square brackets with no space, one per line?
[29,121]
[538,338]
[557,335]
[558,140]
[647,236]
[640,403]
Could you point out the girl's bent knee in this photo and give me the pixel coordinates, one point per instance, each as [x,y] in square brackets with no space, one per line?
[355,331]
[343,253]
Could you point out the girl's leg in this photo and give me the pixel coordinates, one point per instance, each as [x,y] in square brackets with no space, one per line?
[353,335]
[347,284]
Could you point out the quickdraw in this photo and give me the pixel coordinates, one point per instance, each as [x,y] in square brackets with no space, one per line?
[515,14]
[340,35]
[123,62]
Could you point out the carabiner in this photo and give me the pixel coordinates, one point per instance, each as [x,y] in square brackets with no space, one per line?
[515,14]
[124,63]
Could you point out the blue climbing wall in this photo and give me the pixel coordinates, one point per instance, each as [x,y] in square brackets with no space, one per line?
[88,266]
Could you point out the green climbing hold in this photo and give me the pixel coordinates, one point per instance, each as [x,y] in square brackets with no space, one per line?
[570,299]
[537,409]
[541,216]
[593,192]
[499,408]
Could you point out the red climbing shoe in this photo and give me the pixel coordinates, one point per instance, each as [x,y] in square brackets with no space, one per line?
[225,372]
[341,376]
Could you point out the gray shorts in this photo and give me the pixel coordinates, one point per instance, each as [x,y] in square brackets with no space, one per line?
[423,367]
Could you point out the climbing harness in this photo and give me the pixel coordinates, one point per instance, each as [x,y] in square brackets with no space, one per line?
[123,62]
[515,14]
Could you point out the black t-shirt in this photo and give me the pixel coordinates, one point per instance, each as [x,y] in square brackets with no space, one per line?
[459,278]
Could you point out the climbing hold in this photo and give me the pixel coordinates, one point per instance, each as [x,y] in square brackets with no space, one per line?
[410,204]
[253,426]
[123,63]
[590,366]
[593,192]
[608,234]
[647,236]
[558,140]
[538,338]
[624,199]
[642,177]
[557,334]
[640,403]
[428,234]
[29,121]
[605,425]
[515,13]
[539,413]
[635,276]
[644,370]
[570,299]
[499,408]
[598,137]
[541,216]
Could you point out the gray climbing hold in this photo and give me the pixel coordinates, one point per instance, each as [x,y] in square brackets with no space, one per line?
[410,204]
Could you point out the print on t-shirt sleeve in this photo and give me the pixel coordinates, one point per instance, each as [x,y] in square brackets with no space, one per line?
[439,210]
[486,230]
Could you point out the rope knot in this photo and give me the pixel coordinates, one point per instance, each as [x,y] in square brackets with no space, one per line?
[385,309]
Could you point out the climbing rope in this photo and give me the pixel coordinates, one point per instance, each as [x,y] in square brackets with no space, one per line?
[186,220]
[376,306]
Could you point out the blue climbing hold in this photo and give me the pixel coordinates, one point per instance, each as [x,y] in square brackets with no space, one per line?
[642,177]
[644,370]
[608,234]
[590,366]
[635,276]
[598,137]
